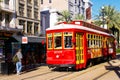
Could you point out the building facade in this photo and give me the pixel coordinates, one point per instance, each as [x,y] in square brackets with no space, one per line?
[54,4]
[80,7]
[28,16]
[49,9]
[73,6]
[7,29]
[7,14]
[20,22]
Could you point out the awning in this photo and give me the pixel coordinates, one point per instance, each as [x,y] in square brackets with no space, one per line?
[31,39]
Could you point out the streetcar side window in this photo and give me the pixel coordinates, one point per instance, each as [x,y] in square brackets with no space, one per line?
[67,39]
[58,40]
[94,41]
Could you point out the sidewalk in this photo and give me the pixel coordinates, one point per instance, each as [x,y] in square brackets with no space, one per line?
[23,75]
[27,74]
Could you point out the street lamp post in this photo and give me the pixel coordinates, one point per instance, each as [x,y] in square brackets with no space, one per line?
[103,16]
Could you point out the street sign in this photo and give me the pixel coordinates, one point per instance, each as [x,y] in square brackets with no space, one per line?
[24,40]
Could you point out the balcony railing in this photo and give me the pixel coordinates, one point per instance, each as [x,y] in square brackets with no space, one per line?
[9,28]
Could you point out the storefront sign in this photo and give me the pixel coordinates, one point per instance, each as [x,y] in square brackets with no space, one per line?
[24,40]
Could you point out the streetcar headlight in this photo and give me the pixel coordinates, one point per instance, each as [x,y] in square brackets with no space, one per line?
[57,56]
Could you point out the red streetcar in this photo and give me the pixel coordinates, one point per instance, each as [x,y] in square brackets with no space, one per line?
[78,44]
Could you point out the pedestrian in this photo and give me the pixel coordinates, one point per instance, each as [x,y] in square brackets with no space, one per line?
[19,62]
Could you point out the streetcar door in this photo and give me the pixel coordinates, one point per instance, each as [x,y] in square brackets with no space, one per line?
[79,48]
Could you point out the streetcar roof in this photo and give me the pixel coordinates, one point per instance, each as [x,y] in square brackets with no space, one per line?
[70,26]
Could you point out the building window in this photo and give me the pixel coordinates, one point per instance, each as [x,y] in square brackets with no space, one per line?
[41,1]
[21,22]
[7,20]
[0,16]
[75,1]
[21,10]
[7,17]
[36,2]
[7,2]
[29,1]
[22,0]
[29,28]
[29,12]
[36,14]
[50,1]
[36,28]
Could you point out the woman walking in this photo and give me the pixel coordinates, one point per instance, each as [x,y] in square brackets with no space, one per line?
[19,62]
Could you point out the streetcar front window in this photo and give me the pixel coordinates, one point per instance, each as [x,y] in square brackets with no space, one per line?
[68,39]
[58,40]
[50,42]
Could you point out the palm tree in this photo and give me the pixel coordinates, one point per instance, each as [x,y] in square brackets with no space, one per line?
[111,17]
[64,16]
[79,17]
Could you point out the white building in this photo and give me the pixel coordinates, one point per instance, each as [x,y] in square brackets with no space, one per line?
[49,7]
[28,15]
[7,13]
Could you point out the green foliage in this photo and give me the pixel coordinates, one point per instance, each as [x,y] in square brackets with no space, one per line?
[117,50]
[111,16]
[79,17]
[64,16]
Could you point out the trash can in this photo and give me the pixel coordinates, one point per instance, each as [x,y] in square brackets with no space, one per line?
[3,68]
[7,68]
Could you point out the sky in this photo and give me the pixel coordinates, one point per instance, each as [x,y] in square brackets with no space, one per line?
[97,4]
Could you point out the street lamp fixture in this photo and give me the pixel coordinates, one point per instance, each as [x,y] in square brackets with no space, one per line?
[103,16]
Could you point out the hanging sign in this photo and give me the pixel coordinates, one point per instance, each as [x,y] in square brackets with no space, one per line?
[24,40]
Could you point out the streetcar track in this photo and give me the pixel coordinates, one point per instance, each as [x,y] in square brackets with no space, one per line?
[66,76]
[61,76]
[37,75]
[72,77]
[101,75]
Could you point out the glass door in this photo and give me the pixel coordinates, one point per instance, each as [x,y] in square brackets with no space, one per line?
[79,48]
